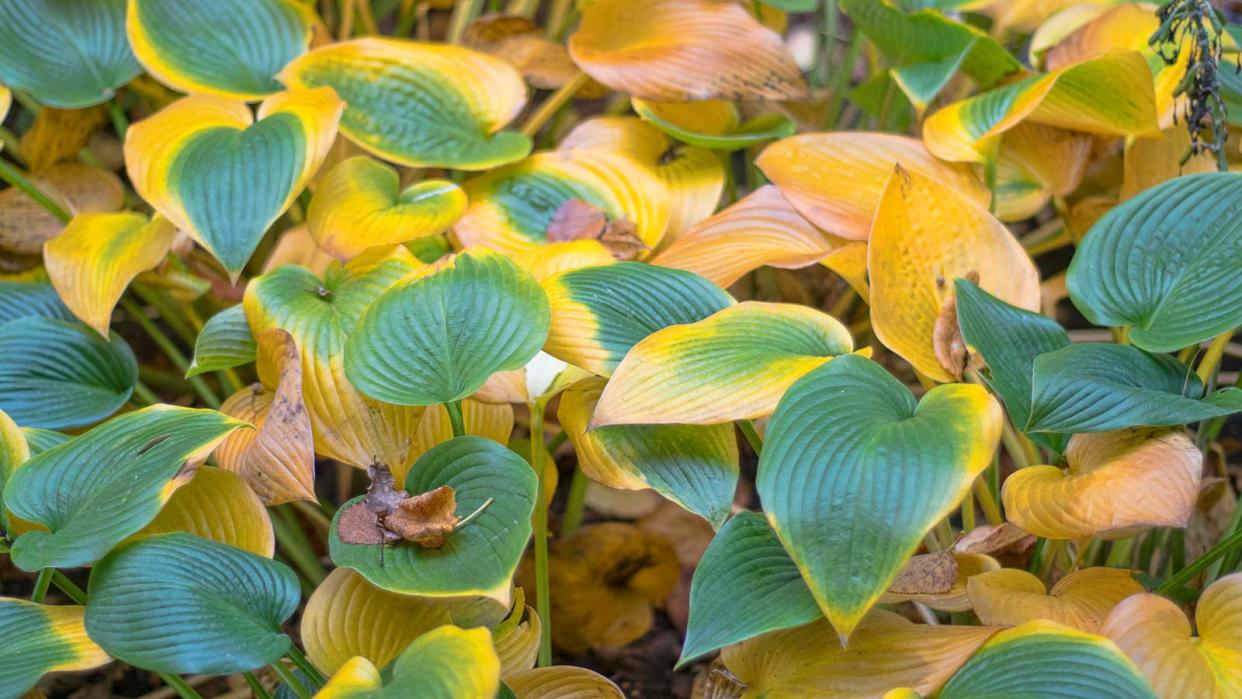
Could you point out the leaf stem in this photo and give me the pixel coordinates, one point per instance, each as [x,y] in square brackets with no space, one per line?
[145,393]
[180,686]
[554,103]
[170,350]
[304,664]
[290,680]
[987,502]
[454,412]
[296,546]
[67,586]
[464,12]
[575,504]
[1210,363]
[119,121]
[1188,573]
[41,584]
[751,435]
[10,174]
[257,690]
[543,597]
[1018,446]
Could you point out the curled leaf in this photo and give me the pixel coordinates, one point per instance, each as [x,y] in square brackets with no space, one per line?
[1081,600]
[562,682]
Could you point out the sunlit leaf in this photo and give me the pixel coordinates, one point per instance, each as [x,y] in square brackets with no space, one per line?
[216,172]
[714,124]
[37,639]
[420,104]
[356,678]
[217,505]
[177,603]
[549,259]
[224,342]
[1081,600]
[562,682]
[854,472]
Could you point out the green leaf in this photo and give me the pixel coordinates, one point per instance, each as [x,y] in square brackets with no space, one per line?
[1096,387]
[36,639]
[745,585]
[447,663]
[98,488]
[60,374]
[41,440]
[854,473]
[66,54]
[24,299]
[1165,263]
[766,127]
[477,559]
[923,81]
[224,342]
[437,337]
[178,603]
[1042,659]
[792,5]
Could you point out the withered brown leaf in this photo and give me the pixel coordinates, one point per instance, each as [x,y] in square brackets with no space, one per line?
[947,340]
[388,515]
[580,220]
[929,573]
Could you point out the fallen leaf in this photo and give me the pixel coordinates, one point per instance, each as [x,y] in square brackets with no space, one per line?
[926,573]
[579,220]
[388,515]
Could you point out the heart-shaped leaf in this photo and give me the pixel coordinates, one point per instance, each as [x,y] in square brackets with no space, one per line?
[208,166]
[419,104]
[224,342]
[1081,600]
[437,336]
[1160,263]
[96,489]
[854,472]
[67,54]
[177,603]
[714,124]
[58,374]
[37,639]
[231,48]
[477,559]
[732,365]
[358,204]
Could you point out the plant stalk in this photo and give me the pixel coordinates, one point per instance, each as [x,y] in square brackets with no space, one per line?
[553,104]
[751,435]
[10,174]
[171,351]
[290,680]
[41,584]
[180,686]
[455,418]
[575,505]
[543,597]
[1196,566]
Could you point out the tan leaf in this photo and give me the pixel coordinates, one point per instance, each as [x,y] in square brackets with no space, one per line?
[25,225]
[1082,599]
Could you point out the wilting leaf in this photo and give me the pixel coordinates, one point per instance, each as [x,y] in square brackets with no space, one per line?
[886,651]
[419,104]
[57,374]
[1081,600]
[67,54]
[953,237]
[92,261]
[732,365]
[854,472]
[177,603]
[714,124]
[695,466]
[217,505]
[224,342]
[96,489]
[477,559]
[387,515]
[232,48]
[919,583]
[562,682]
[837,180]
[208,166]
[438,335]
[672,50]
[1156,635]
[37,639]
[1044,658]
[517,641]
[25,225]
[358,204]
[1160,263]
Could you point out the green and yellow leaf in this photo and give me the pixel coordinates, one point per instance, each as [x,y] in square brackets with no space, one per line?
[562,682]
[37,639]
[224,342]
[217,505]
[714,124]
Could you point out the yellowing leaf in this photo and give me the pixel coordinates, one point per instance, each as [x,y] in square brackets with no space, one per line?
[1009,596]
[518,40]
[547,260]
[59,134]
[25,225]
[1149,161]
[955,598]
[97,255]
[516,638]
[491,420]
[1156,635]
[925,235]
[671,50]
[1116,483]
[836,180]
[356,677]
[359,205]
[41,638]
[217,505]
[297,247]
[1037,162]
[732,365]
[715,124]
[562,682]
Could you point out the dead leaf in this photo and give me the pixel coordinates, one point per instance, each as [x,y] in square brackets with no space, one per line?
[996,539]
[427,518]
[25,225]
[387,514]
[947,340]
[580,220]
[520,42]
[929,573]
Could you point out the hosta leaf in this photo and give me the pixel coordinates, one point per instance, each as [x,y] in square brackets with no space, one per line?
[320,314]
[14,451]
[887,651]
[57,374]
[66,54]
[477,559]
[836,180]
[684,50]
[6,100]
[517,641]
[695,466]
[358,204]
[491,420]
[1111,95]
[444,663]
[1095,387]
[759,229]
[714,124]
[1036,163]
[1160,263]
[955,598]
[296,247]
[436,337]
[37,639]
[419,104]
[217,505]
[854,472]
[356,679]
[1156,635]
[1116,483]
[97,255]
[924,235]
[732,365]
[562,682]
[208,166]
[224,342]
[98,488]
[922,82]
[177,603]
[26,225]
[1081,600]
[232,48]
[25,299]
[1149,161]
[599,313]
[745,585]
[1046,659]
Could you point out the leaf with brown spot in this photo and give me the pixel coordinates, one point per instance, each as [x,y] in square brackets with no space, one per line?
[925,574]
[947,341]
[580,220]
[388,514]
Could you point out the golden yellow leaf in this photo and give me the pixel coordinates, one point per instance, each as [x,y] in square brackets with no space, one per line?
[547,260]
[562,682]
[296,247]
[491,420]
[217,505]
[58,134]
[516,637]
[1035,163]
[1150,161]
[1009,596]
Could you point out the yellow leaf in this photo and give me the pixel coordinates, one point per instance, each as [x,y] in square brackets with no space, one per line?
[491,420]
[547,260]
[94,259]
[1149,161]
[850,263]
[1038,162]
[516,638]
[217,505]
[925,235]
[1009,596]
[562,682]
[954,599]
[1117,483]
[296,247]
[357,676]
[59,134]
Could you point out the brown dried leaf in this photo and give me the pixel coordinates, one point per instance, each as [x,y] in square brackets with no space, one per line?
[388,514]
[580,220]
[947,340]
[520,42]
[25,225]
[929,573]
[426,518]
